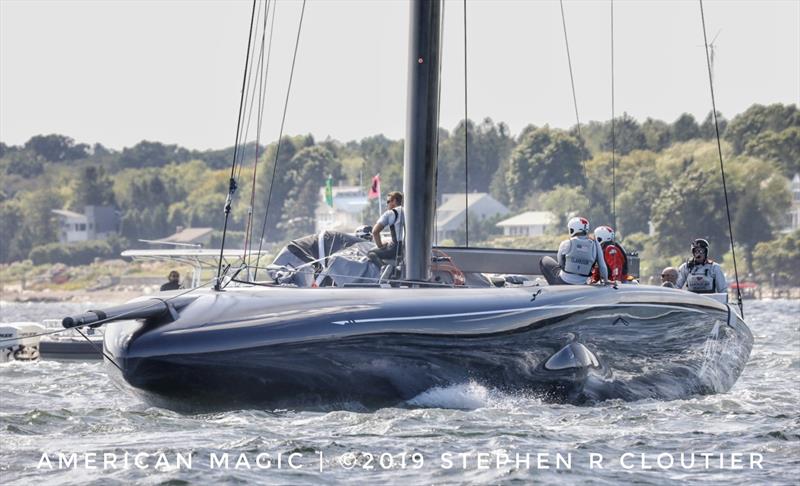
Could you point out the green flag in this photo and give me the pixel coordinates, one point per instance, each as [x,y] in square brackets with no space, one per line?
[329,191]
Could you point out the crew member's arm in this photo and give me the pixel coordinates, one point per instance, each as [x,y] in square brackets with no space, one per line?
[719,278]
[601,262]
[376,234]
[683,272]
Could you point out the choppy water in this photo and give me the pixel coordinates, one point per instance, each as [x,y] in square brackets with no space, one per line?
[461,434]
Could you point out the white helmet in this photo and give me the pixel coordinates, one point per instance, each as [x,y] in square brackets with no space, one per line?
[604,234]
[578,226]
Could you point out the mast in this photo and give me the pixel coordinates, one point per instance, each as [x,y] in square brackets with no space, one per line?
[422,125]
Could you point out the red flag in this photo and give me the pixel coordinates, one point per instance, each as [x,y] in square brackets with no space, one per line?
[375,188]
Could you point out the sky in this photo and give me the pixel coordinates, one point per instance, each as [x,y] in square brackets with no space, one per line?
[118,72]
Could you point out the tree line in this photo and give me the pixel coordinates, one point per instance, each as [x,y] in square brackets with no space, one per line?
[665,191]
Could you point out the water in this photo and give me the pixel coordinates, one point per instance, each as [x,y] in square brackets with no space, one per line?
[460,434]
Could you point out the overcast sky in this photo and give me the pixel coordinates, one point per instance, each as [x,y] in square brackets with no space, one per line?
[118,72]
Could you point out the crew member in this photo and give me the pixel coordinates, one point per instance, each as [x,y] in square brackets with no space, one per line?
[699,274]
[576,257]
[173,281]
[614,255]
[394,220]
[669,277]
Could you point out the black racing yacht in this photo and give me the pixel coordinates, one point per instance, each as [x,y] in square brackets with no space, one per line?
[290,346]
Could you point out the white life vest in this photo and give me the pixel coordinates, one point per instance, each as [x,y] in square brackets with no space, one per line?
[580,257]
[701,279]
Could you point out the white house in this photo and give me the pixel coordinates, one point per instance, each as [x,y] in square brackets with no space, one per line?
[451,213]
[96,223]
[529,223]
[346,214]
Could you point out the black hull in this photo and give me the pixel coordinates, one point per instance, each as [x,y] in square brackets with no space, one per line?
[310,348]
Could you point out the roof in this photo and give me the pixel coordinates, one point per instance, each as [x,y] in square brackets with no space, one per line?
[69,214]
[455,202]
[530,218]
[452,209]
[189,235]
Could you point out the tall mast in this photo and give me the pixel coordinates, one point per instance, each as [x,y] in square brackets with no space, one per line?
[422,125]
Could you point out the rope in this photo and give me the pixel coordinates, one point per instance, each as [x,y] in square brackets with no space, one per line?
[466,134]
[572,82]
[721,165]
[613,131]
[280,134]
[232,182]
[99,350]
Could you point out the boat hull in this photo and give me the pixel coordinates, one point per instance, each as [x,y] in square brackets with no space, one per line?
[322,348]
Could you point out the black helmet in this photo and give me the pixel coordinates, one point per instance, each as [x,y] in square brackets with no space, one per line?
[701,244]
[364,232]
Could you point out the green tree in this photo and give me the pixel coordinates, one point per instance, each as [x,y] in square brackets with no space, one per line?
[151,154]
[690,209]
[707,129]
[750,225]
[657,134]
[56,148]
[92,188]
[782,147]
[685,128]
[758,119]
[544,159]
[565,202]
[781,258]
[307,172]
[625,137]
[10,222]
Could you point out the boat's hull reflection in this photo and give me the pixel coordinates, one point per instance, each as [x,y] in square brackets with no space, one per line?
[369,354]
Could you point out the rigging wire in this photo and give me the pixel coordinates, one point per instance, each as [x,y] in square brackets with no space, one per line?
[438,113]
[232,181]
[280,133]
[466,134]
[721,165]
[262,80]
[248,97]
[613,132]
[256,86]
[572,82]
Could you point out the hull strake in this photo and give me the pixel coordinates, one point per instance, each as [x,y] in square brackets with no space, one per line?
[384,346]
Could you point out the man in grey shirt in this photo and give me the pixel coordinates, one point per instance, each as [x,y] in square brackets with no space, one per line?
[393,219]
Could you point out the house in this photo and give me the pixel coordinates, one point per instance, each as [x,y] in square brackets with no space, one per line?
[189,236]
[349,203]
[794,212]
[96,223]
[529,223]
[451,213]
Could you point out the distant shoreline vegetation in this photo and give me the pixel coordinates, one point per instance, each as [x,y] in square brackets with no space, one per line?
[668,186]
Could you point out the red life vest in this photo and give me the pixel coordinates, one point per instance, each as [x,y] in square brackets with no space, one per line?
[616,261]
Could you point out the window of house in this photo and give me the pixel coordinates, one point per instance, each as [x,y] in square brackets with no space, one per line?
[80,226]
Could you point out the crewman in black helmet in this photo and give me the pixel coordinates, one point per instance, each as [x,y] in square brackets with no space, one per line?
[700,274]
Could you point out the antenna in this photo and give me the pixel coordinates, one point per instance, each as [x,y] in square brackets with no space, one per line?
[712,49]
